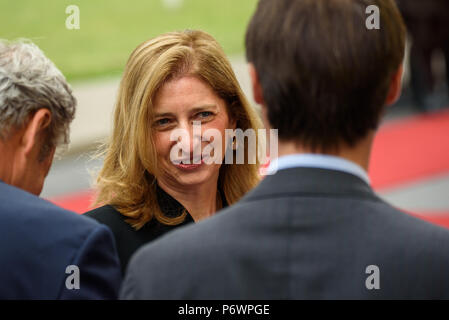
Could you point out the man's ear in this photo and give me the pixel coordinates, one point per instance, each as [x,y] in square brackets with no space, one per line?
[34,130]
[255,83]
[394,91]
[258,94]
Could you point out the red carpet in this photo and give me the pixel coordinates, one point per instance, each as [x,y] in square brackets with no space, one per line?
[79,202]
[439,218]
[410,150]
[404,151]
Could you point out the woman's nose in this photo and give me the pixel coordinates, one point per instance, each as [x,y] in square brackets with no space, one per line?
[190,140]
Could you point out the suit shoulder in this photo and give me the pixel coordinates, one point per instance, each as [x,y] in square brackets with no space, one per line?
[18,206]
[42,235]
[410,223]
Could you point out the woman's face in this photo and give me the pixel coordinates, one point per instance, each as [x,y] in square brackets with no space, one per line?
[177,105]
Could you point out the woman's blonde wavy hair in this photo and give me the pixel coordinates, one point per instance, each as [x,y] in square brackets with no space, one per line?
[127,179]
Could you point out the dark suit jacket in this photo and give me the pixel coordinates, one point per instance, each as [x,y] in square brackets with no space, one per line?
[303,233]
[127,238]
[38,242]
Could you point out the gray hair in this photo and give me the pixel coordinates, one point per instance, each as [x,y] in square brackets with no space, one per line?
[29,81]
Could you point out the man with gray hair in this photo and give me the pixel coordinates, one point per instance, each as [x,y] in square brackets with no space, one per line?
[46,252]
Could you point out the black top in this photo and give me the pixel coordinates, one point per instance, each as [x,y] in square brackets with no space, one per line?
[128,239]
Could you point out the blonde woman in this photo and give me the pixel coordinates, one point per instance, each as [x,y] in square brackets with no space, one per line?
[169,83]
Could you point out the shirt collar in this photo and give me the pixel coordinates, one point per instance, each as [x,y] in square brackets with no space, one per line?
[318,161]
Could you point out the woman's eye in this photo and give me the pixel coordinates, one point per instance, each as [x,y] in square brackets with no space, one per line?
[162,122]
[204,114]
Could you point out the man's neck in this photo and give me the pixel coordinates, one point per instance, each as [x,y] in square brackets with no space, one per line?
[6,164]
[359,154]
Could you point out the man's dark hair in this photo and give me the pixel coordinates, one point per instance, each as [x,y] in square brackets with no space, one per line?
[325,76]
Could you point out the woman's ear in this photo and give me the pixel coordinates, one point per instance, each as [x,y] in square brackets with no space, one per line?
[255,83]
[394,92]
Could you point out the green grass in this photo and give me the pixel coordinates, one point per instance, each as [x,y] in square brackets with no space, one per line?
[111,29]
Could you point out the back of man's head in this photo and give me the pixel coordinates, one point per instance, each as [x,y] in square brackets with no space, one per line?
[324,75]
[36,108]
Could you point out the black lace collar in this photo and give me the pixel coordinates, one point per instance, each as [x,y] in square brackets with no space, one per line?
[172,208]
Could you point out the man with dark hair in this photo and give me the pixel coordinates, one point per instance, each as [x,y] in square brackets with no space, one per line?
[46,252]
[315,229]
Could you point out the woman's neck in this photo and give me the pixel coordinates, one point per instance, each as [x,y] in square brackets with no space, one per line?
[200,201]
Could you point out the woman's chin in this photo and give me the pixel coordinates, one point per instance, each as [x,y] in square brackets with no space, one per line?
[194,175]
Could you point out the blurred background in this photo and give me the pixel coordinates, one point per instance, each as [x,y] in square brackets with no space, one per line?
[410,160]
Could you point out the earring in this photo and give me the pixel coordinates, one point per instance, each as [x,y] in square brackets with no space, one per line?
[234,143]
